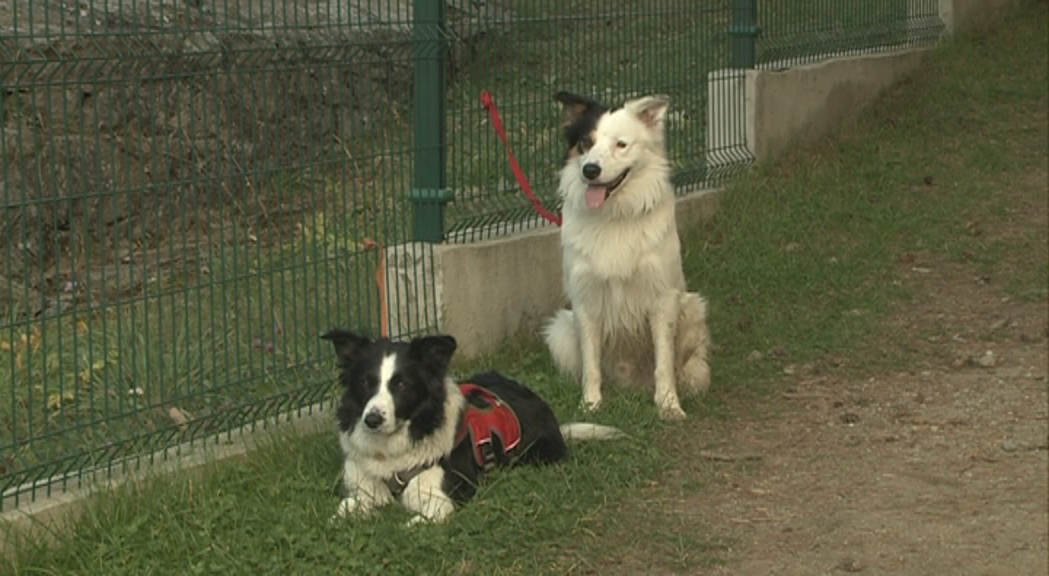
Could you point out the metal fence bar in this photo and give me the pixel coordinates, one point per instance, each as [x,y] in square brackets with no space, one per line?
[429,192]
[744,31]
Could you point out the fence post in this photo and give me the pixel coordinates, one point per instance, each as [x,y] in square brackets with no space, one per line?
[744,31]
[730,122]
[429,191]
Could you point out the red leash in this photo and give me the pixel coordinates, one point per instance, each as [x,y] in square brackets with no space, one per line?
[500,130]
[380,282]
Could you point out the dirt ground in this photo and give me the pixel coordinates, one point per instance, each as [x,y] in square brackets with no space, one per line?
[937,468]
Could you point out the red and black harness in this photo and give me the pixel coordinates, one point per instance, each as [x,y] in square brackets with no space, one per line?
[484,417]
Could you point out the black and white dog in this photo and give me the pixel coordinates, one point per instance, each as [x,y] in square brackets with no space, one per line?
[409,432]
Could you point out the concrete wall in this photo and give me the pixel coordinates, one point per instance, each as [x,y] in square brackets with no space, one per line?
[793,106]
[789,105]
[495,289]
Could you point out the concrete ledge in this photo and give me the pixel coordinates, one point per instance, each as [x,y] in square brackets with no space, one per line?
[779,106]
[787,104]
[494,289]
[794,106]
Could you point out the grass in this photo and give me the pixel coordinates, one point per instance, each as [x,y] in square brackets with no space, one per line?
[799,264]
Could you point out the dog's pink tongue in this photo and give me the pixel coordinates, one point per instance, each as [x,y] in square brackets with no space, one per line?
[595,196]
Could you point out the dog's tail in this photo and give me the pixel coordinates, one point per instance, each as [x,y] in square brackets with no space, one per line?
[563,340]
[579,431]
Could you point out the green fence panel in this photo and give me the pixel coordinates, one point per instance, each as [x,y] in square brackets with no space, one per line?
[524,51]
[800,31]
[187,188]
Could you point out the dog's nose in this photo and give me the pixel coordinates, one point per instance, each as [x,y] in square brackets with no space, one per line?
[591,170]
[373,420]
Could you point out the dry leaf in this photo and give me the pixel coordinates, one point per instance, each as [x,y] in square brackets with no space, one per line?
[180,418]
[55,400]
[35,339]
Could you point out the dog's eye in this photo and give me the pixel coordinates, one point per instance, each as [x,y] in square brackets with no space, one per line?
[398,386]
[586,143]
[621,144]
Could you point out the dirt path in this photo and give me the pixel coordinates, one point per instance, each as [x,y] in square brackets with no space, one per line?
[935,468]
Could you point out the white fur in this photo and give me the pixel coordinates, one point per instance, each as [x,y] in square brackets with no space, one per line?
[576,431]
[382,403]
[632,317]
[372,456]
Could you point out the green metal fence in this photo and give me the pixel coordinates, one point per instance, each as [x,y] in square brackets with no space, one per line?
[799,31]
[525,50]
[189,185]
[611,50]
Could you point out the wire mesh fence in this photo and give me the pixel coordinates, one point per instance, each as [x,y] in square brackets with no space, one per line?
[800,31]
[611,51]
[189,186]
[187,189]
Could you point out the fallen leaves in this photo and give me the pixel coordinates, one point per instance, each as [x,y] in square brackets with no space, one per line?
[55,400]
[180,418]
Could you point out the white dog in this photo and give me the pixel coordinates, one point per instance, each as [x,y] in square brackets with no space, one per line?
[632,318]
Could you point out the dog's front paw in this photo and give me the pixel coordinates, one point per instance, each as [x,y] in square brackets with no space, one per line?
[671,411]
[591,404]
[417,520]
[349,507]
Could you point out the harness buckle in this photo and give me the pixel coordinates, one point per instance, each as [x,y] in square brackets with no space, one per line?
[488,455]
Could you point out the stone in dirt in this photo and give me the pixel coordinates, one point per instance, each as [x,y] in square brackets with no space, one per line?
[987,360]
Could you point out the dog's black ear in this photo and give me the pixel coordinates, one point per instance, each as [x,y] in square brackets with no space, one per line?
[433,352]
[575,106]
[347,344]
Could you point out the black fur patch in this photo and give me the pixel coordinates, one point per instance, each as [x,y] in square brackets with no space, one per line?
[581,117]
